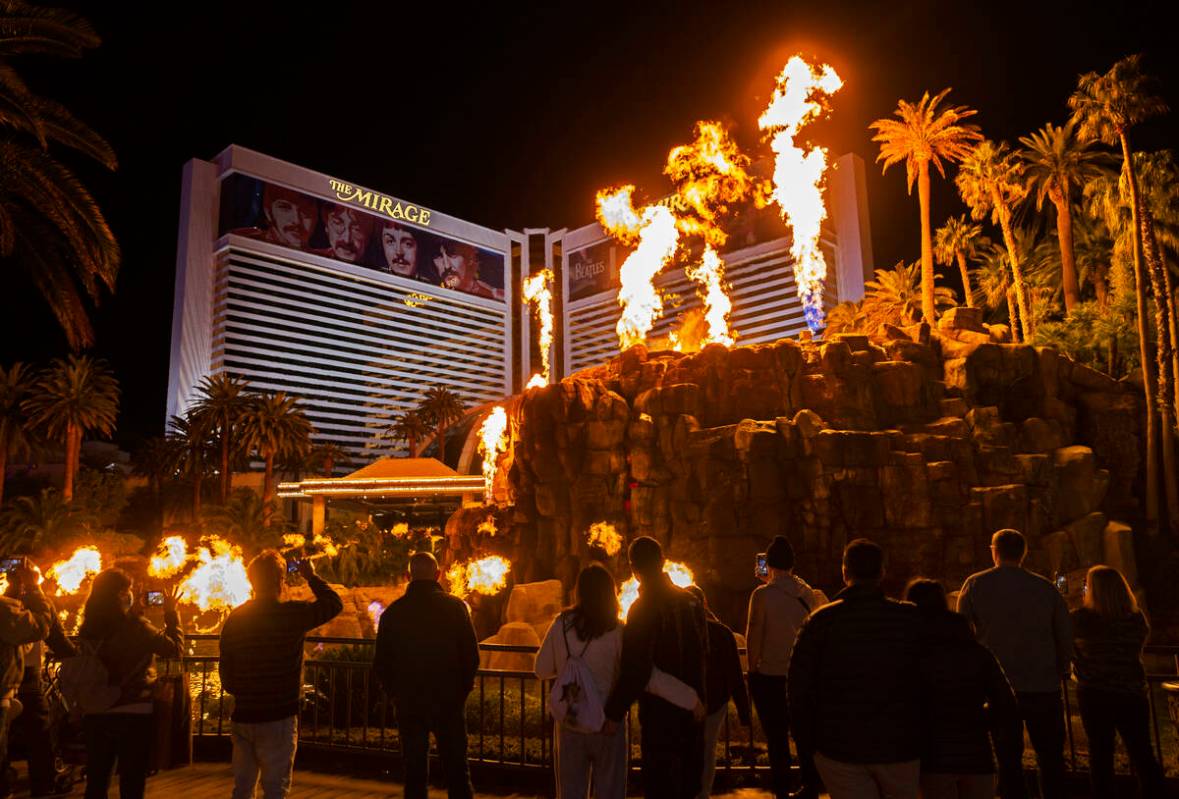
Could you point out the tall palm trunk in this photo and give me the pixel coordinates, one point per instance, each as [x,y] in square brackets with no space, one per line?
[1021,294]
[1101,287]
[1068,261]
[442,442]
[226,477]
[1151,433]
[1173,312]
[965,278]
[928,307]
[71,461]
[3,471]
[267,488]
[1012,313]
[1166,384]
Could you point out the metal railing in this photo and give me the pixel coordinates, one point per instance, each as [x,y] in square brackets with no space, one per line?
[507,713]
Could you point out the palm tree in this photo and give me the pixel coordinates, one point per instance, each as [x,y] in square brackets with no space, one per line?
[50,225]
[440,408]
[894,296]
[18,437]
[157,459]
[74,396]
[1056,161]
[956,241]
[324,458]
[244,519]
[219,407]
[32,521]
[274,426]
[409,427]
[1106,107]
[923,134]
[190,443]
[990,179]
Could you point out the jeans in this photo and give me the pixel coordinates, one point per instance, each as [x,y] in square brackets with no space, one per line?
[869,780]
[449,725]
[582,757]
[123,738]
[264,750]
[957,786]
[1043,714]
[1105,712]
[712,729]
[33,727]
[769,700]
[673,750]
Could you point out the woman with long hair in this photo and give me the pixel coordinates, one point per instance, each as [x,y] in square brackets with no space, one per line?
[1110,632]
[970,703]
[114,631]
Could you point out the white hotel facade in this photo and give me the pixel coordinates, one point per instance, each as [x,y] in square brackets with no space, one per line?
[359,343]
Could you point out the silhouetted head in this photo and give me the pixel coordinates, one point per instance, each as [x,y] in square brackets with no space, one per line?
[267,572]
[646,558]
[108,604]
[1008,547]
[863,562]
[928,595]
[596,611]
[1108,594]
[423,566]
[780,554]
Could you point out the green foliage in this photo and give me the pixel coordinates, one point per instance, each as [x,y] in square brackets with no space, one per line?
[1103,338]
[370,555]
[42,521]
[241,521]
[100,496]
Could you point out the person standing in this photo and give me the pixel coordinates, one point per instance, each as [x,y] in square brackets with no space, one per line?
[666,630]
[724,682]
[26,617]
[1110,632]
[853,685]
[1024,621]
[262,668]
[968,700]
[426,659]
[127,645]
[777,610]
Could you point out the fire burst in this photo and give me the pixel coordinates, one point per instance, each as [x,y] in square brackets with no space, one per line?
[170,558]
[655,230]
[493,440]
[71,573]
[709,273]
[680,575]
[219,581]
[486,576]
[799,98]
[539,293]
[605,536]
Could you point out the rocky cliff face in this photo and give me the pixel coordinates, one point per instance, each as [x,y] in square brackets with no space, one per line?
[924,441]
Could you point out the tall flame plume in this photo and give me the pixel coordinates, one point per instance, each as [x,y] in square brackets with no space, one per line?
[69,574]
[537,291]
[493,439]
[218,581]
[800,97]
[170,558]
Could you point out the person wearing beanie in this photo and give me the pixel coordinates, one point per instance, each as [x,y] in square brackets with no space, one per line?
[777,610]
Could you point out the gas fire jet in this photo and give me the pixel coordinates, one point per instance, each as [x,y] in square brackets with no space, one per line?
[801,96]
[537,291]
[710,274]
[493,439]
[657,236]
[219,581]
[605,536]
[486,576]
[170,558]
[680,575]
[69,574]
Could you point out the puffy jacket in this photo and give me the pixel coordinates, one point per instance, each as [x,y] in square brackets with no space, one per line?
[130,650]
[1109,652]
[966,699]
[22,622]
[853,682]
[426,651]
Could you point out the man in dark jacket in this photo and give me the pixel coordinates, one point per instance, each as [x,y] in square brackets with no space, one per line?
[426,659]
[262,667]
[853,687]
[666,629]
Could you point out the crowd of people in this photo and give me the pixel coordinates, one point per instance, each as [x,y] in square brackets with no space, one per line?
[882,697]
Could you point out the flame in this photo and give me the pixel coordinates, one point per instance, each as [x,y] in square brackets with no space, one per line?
[710,275]
[375,609]
[486,576]
[680,575]
[493,439]
[538,292]
[487,527]
[293,540]
[70,574]
[605,536]
[219,580]
[3,583]
[617,215]
[800,97]
[322,546]
[709,175]
[170,557]
[399,530]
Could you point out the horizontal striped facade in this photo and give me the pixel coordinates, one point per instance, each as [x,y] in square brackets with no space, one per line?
[358,347]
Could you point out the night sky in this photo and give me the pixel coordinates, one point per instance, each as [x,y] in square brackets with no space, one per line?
[514,118]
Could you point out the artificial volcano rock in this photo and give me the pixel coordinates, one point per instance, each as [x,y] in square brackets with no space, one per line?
[925,441]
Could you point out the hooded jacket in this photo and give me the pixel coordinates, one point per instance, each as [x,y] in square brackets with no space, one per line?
[777,610]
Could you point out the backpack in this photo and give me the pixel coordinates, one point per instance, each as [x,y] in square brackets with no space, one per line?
[574,697]
[85,682]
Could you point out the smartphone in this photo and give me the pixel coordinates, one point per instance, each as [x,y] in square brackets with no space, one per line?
[763,569]
[1062,583]
[292,565]
[8,564]
[154,599]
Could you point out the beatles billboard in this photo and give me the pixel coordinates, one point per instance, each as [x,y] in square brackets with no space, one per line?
[363,228]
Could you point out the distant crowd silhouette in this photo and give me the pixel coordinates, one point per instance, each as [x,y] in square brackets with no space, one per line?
[883,697]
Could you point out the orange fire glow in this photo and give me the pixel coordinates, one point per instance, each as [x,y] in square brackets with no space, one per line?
[219,580]
[680,575]
[170,558]
[493,439]
[69,574]
[486,576]
[537,291]
[710,274]
[800,97]
[605,536]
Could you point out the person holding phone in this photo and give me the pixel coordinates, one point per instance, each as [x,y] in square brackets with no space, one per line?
[777,609]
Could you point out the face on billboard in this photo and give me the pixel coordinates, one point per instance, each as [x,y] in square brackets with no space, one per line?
[400,247]
[290,218]
[348,232]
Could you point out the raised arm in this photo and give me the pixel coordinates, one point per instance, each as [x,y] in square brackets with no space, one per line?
[327,603]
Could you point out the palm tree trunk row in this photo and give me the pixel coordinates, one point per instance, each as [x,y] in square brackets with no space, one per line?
[962,267]
[1166,378]
[1068,262]
[1021,295]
